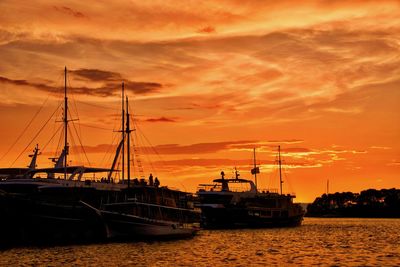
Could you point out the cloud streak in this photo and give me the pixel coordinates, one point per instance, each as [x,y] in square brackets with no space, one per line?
[96,75]
[111,88]
[69,11]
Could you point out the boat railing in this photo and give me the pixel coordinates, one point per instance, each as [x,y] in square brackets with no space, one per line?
[218,188]
[267,190]
[275,191]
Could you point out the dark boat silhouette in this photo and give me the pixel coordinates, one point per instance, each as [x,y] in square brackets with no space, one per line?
[222,206]
[72,208]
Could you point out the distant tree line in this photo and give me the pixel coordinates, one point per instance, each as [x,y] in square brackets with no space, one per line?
[369,203]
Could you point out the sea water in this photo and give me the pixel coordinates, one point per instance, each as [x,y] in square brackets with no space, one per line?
[319,241]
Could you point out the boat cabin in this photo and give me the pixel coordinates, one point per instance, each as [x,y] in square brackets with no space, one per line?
[229,185]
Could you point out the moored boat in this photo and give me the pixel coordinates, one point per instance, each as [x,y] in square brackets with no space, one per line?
[237,203]
[76,208]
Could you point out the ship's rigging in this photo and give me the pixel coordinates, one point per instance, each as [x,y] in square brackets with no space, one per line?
[70,146]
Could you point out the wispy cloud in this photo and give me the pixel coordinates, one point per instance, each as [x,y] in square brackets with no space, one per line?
[96,75]
[69,11]
[207,29]
[380,147]
[106,90]
[161,119]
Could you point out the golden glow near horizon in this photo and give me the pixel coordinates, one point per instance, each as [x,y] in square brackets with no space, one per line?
[208,81]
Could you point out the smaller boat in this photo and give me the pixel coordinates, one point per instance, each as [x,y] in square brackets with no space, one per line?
[158,222]
[237,203]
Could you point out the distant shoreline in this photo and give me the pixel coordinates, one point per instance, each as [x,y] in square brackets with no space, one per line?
[369,203]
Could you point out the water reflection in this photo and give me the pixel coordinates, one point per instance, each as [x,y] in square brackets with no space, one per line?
[318,241]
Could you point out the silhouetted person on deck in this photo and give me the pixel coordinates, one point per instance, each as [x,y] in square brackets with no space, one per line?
[151,180]
[156,182]
[136,181]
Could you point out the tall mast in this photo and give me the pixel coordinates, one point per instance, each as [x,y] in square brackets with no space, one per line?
[123,134]
[280,168]
[327,187]
[65,123]
[255,167]
[128,132]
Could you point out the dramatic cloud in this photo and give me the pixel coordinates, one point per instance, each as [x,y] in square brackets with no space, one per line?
[40,86]
[96,75]
[108,89]
[303,75]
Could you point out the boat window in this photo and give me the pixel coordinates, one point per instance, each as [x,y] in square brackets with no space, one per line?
[239,187]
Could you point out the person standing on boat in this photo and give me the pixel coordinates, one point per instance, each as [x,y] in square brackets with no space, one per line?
[224,183]
[156,182]
[151,183]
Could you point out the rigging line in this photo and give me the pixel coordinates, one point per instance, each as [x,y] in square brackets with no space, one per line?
[272,176]
[97,106]
[276,173]
[74,105]
[59,143]
[73,146]
[113,137]
[59,94]
[151,145]
[51,138]
[26,128]
[147,156]
[79,120]
[148,153]
[80,142]
[40,130]
[137,155]
[286,170]
[143,147]
[96,127]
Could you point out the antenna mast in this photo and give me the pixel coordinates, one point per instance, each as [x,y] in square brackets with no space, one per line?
[123,133]
[327,187]
[280,168]
[65,123]
[255,167]
[128,132]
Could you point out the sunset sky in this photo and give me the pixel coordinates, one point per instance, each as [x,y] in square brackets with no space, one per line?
[207,82]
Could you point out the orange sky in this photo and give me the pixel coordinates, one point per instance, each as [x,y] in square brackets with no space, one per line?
[208,81]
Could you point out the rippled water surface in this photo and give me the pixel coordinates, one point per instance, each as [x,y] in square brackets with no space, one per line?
[331,242]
